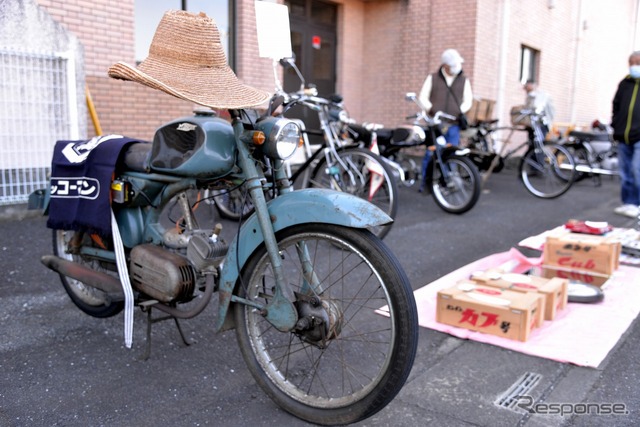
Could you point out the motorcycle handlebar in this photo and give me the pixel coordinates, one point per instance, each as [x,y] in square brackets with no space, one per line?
[442,115]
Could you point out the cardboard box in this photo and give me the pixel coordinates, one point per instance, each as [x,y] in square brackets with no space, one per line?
[588,258]
[487,309]
[481,110]
[554,290]
[590,278]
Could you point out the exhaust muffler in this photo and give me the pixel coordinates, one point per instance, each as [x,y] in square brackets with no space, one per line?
[96,279]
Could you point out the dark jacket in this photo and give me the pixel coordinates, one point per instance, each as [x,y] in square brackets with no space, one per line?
[626,111]
[441,97]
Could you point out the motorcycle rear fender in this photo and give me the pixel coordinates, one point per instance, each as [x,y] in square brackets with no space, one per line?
[39,200]
[298,207]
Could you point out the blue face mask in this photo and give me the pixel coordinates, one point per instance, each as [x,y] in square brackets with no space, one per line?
[634,71]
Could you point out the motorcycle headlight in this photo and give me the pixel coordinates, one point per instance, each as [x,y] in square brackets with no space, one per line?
[283,138]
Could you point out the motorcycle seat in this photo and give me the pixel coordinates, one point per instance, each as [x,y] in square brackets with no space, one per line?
[137,157]
[589,136]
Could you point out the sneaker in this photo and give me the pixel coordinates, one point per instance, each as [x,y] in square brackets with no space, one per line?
[631,211]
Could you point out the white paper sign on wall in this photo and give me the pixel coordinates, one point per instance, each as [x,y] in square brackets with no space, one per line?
[274,35]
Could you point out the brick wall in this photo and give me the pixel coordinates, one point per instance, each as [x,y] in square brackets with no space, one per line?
[401,44]
[106,31]
[251,69]
[385,49]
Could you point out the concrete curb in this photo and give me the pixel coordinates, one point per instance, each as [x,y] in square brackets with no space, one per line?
[18,213]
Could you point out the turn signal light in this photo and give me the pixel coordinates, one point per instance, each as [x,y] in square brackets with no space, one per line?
[259,138]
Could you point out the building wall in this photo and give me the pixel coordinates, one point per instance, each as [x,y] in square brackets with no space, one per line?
[582,58]
[385,49]
[106,30]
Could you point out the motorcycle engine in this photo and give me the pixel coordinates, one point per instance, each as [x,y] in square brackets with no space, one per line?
[161,274]
[610,163]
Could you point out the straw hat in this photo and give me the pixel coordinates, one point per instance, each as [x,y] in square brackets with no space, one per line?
[186,60]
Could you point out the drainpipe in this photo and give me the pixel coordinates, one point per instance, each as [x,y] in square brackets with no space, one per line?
[72,94]
[636,35]
[502,61]
[576,63]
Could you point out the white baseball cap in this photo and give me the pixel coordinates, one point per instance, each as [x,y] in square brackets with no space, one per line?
[451,57]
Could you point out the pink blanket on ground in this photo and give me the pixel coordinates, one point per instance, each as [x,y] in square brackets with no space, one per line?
[582,334]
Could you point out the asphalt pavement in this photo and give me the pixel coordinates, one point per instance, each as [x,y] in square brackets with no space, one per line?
[59,367]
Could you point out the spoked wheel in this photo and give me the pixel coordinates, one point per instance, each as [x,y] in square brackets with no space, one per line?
[345,360]
[548,172]
[363,174]
[461,190]
[90,300]
[411,171]
[232,203]
[583,164]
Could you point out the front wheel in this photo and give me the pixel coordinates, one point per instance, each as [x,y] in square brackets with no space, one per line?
[457,190]
[548,171]
[362,173]
[355,341]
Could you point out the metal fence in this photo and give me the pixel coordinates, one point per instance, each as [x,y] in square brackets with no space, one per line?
[35,111]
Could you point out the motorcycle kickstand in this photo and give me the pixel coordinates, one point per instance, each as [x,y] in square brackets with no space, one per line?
[147,306]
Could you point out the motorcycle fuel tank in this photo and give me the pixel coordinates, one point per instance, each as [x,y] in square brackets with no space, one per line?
[200,146]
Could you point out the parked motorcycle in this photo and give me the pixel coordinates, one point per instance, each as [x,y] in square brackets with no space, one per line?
[336,163]
[324,314]
[331,163]
[391,143]
[595,152]
[452,178]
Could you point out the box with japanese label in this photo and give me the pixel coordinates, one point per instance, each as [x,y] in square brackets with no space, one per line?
[554,289]
[587,258]
[501,312]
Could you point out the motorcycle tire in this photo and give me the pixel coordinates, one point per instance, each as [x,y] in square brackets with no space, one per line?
[90,300]
[350,366]
[461,191]
[581,157]
[584,293]
[356,180]
[548,173]
[232,204]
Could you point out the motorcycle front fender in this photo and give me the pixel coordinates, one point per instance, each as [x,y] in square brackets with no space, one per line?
[39,200]
[294,208]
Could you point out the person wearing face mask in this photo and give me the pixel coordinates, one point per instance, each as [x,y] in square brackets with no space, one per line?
[447,90]
[625,121]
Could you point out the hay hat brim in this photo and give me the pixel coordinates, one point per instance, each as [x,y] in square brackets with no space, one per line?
[186,60]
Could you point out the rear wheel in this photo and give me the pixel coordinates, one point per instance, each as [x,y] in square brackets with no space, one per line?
[411,171]
[458,190]
[364,174]
[232,203]
[548,171]
[90,300]
[581,157]
[355,340]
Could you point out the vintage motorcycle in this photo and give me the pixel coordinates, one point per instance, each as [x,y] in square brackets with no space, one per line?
[324,314]
[331,162]
[595,152]
[452,178]
[391,143]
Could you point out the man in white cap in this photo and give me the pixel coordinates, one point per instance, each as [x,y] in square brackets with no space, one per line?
[447,90]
